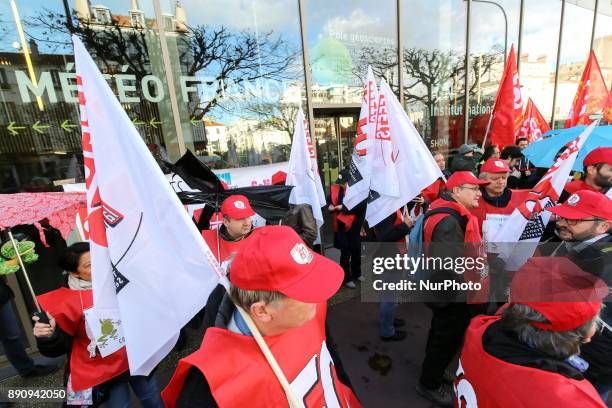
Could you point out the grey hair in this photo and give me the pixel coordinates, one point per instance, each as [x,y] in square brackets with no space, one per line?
[483,175]
[517,318]
[246,298]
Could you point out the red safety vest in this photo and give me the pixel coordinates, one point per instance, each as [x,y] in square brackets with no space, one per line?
[65,306]
[240,376]
[347,219]
[486,381]
[226,248]
[472,235]
[484,208]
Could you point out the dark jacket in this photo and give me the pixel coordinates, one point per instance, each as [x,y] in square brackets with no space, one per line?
[219,310]
[505,345]
[300,218]
[6,293]
[596,258]
[464,163]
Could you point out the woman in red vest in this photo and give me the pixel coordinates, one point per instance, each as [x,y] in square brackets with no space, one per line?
[347,227]
[529,356]
[90,377]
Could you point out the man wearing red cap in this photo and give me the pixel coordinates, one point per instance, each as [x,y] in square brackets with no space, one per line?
[528,356]
[584,223]
[283,286]
[597,173]
[496,198]
[447,225]
[237,225]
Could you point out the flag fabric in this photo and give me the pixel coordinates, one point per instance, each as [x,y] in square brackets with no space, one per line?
[508,109]
[590,96]
[151,269]
[607,112]
[518,237]
[303,172]
[411,162]
[360,171]
[534,125]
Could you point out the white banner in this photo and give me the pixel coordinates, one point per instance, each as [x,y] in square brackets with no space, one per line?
[360,171]
[303,172]
[519,237]
[408,158]
[151,269]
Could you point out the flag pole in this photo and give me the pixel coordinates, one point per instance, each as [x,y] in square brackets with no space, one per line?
[484,141]
[42,316]
[23,268]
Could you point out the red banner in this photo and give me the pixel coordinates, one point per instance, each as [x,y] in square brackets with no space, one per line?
[534,124]
[508,109]
[591,94]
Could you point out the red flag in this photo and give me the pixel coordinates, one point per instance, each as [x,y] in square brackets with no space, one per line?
[591,94]
[508,108]
[533,123]
[607,112]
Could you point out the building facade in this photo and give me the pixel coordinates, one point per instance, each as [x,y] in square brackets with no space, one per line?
[230,75]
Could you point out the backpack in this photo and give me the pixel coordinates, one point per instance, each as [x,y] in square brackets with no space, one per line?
[416,247]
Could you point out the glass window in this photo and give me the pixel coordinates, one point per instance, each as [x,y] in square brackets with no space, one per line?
[541,21]
[494,30]
[602,45]
[433,56]
[343,38]
[40,142]
[240,79]
[575,44]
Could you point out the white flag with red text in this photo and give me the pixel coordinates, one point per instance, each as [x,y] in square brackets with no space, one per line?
[303,172]
[151,269]
[360,172]
[404,156]
[518,237]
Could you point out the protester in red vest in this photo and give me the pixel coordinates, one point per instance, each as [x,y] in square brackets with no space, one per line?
[347,227]
[237,225]
[446,234]
[496,198]
[283,286]
[597,173]
[66,334]
[528,356]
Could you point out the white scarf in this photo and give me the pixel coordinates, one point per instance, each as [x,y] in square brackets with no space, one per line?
[76,283]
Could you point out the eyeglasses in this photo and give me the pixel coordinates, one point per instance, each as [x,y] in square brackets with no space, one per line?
[470,188]
[571,222]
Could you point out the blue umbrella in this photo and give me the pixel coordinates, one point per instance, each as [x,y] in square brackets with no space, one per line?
[542,152]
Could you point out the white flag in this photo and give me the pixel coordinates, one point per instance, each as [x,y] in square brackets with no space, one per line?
[518,238]
[151,270]
[360,169]
[410,159]
[303,172]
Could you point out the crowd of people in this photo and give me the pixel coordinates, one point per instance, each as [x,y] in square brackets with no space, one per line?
[544,340]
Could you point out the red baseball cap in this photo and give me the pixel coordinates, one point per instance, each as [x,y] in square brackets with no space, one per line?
[279,178]
[237,207]
[275,258]
[584,204]
[563,293]
[460,178]
[598,155]
[494,165]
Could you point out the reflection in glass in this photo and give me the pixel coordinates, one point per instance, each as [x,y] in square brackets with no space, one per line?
[343,38]
[241,77]
[434,44]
